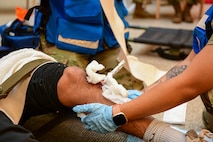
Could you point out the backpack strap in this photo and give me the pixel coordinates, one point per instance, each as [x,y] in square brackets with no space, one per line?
[25,71]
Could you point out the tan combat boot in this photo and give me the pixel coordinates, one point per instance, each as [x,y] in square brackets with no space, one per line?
[186,14]
[178,14]
[140,12]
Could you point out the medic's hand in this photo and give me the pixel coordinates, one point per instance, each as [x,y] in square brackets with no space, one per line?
[132,94]
[203,31]
[99,117]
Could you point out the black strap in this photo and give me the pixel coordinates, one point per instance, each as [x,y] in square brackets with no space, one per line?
[208,29]
[165,53]
[30,11]
[46,11]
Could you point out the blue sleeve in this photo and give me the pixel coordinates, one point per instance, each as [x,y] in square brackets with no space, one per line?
[203,31]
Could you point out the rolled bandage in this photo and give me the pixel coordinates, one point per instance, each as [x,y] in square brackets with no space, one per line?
[114,91]
[111,89]
[92,75]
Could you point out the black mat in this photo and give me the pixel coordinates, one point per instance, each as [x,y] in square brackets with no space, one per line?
[179,38]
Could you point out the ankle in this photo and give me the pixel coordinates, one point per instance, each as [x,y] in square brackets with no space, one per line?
[160,131]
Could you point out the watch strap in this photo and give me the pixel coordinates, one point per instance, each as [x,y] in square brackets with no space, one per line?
[119,118]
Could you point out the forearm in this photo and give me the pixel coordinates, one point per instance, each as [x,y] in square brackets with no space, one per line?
[175,71]
[155,101]
[177,90]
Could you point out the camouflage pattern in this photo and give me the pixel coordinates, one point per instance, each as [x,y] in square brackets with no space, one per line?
[207,97]
[178,1]
[138,1]
[107,58]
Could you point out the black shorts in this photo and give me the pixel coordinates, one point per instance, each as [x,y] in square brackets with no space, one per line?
[41,96]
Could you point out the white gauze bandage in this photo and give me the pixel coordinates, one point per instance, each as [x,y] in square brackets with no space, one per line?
[91,70]
[111,89]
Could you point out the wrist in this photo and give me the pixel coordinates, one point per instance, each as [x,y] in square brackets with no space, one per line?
[119,118]
[115,109]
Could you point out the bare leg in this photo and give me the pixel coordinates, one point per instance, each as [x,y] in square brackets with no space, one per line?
[137,127]
[73,89]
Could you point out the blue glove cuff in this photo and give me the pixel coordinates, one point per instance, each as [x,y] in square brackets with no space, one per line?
[132,94]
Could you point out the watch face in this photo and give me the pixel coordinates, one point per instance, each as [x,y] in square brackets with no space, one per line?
[119,119]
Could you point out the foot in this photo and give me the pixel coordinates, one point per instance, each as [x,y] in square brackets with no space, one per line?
[177,18]
[186,14]
[142,14]
[187,18]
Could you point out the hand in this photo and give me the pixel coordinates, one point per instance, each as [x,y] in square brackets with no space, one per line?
[99,118]
[132,94]
[203,31]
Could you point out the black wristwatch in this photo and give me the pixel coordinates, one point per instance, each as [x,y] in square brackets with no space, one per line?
[120,119]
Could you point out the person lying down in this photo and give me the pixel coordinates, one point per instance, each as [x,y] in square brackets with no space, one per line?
[50,87]
[53,87]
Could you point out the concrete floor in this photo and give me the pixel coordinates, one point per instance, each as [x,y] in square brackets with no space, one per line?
[142,51]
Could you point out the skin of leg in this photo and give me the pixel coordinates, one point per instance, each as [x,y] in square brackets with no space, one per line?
[136,127]
[73,89]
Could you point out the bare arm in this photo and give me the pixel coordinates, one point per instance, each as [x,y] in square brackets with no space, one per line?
[175,71]
[194,80]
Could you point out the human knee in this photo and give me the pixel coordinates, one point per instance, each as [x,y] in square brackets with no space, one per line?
[72,86]
[75,72]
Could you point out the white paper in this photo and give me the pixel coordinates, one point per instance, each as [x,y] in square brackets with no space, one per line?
[176,115]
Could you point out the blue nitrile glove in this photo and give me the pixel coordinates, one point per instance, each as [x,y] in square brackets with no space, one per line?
[132,94]
[99,118]
[203,31]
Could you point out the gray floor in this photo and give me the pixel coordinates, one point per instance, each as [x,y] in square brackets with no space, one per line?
[142,51]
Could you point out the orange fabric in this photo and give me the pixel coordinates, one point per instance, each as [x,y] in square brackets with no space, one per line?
[20,13]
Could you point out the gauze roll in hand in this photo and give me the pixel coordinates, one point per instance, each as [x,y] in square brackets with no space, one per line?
[92,76]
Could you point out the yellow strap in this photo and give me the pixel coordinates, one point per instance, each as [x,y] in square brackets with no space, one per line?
[8,84]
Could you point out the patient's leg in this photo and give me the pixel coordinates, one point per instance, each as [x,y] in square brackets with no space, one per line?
[150,129]
[73,89]
[136,127]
